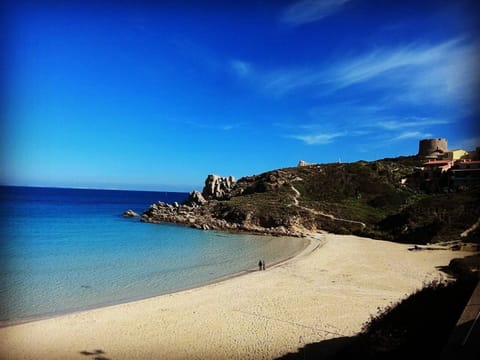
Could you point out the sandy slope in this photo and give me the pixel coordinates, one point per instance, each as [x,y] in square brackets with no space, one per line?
[325,293]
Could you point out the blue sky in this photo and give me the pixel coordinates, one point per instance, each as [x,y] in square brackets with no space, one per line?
[157,95]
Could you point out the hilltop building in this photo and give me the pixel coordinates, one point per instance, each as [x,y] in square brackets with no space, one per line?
[437,149]
[448,168]
[432,148]
[433,168]
[465,173]
[456,154]
[302,163]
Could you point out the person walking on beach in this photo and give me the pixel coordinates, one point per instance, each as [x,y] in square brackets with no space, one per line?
[260,264]
[263,265]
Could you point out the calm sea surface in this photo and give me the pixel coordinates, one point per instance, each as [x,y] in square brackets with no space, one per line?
[63,250]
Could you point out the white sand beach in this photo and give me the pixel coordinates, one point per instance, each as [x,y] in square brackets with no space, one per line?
[327,291]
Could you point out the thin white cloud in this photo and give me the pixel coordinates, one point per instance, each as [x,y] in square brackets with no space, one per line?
[382,61]
[412,135]
[410,122]
[307,11]
[397,86]
[441,73]
[283,82]
[317,139]
[451,77]
[323,124]
[276,82]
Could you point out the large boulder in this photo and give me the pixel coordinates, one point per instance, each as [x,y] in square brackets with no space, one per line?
[217,187]
[130,213]
[195,198]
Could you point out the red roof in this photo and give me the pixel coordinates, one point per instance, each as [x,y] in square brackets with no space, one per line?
[438,162]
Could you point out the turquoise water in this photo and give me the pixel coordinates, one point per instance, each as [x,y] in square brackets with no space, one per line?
[67,250]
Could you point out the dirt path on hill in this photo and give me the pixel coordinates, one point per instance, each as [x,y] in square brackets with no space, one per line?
[320,213]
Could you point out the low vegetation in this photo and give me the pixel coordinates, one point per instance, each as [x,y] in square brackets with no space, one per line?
[386,196]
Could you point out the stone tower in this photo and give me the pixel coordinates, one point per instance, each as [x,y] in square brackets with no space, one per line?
[432,147]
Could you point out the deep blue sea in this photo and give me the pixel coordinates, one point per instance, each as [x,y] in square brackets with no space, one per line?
[63,250]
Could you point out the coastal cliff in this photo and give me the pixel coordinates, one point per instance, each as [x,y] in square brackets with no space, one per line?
[379,199]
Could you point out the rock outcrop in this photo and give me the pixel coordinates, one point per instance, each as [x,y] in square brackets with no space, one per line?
[209,217]
[217,187]
[211,209]
[208,210]
[195,198]
[130,213]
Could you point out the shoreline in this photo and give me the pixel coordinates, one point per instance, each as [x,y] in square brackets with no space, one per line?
[311,297]
[308,240]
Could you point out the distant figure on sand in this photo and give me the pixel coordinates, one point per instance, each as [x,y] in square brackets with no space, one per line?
[263,265]
[260,264]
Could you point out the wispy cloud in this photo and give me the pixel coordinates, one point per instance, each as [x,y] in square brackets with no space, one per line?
[375,125]
[317,139]
[412,135]
[414,66]
[406,91]
[381,61]
[282,82]
[412,73]
[276,82]
[307,11]
[410,122]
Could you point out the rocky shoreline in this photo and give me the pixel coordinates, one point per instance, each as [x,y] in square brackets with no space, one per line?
[202,217]
[203,211]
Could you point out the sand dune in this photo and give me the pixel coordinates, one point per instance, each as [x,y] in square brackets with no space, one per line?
[328,291]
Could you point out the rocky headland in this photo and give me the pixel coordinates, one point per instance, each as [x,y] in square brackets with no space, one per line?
[381,199]
[209,210]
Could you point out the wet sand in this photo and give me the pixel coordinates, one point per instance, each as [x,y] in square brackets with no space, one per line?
[327,291]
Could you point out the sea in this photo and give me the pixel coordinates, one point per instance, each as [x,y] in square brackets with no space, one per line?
[66,250]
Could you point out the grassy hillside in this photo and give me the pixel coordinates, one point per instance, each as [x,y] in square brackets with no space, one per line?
[380,199]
